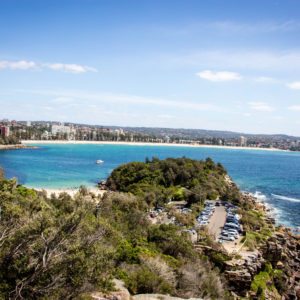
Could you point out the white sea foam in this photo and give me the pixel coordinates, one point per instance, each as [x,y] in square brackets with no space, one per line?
[272,211]
[286,198]
[260,196]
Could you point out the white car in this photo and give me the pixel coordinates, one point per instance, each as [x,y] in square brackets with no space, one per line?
[203,223]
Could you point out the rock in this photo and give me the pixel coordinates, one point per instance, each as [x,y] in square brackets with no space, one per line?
[159,297]
[279,265]
[272,252]
[297,276]
[291,295]
[297,290]
[239,281]
[121,293]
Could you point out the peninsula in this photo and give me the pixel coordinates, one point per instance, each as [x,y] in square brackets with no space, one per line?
[155,232]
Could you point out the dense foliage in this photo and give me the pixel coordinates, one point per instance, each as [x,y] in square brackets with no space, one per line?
[63,247]
[159,181]
[10,140]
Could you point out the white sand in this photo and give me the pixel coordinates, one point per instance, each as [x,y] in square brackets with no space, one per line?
[145,144]
[71,192]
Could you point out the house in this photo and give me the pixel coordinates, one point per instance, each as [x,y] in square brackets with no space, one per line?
[4,131]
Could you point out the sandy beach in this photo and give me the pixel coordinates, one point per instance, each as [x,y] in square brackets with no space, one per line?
[32,142]
[71,192]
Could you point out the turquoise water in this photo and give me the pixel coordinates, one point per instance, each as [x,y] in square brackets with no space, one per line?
[273,176]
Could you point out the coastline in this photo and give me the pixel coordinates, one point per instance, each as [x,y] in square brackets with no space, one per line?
[29,142]
[70,191]
[16,147]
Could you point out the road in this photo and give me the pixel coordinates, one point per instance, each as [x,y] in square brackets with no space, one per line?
[217,221]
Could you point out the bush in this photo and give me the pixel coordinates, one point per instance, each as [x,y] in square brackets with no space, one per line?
[158,181]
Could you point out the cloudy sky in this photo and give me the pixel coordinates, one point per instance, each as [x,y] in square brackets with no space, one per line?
[227,65]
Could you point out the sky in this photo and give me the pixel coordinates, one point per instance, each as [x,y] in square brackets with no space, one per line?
[217,64]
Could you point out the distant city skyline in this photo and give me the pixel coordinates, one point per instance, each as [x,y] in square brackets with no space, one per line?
[218,65]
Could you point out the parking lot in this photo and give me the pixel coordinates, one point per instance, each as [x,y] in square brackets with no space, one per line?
[222,222]
[217,221]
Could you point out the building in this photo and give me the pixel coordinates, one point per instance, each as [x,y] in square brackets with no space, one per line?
[243,141]
[63,131]
[46,135]
[4,131]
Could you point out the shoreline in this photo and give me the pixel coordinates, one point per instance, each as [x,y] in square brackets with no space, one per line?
[70,191]
[270,213]
[268,209]
[16,147]
[194,145]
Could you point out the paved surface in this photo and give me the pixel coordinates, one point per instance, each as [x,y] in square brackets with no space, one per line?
[217,221]
[233,246]
[215,225]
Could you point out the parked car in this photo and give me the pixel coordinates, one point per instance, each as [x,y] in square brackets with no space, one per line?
[203,223]
[227,233]
[236,236]
[230,220]
[228,238]
[232,225]
[232,230]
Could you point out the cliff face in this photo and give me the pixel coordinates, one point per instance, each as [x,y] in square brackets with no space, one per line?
[277,267]
[239,274]
[282,250]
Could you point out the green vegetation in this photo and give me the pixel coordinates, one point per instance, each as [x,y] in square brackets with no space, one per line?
[63,247]
[159,181]
[257,230]
[10,140]
[268,281]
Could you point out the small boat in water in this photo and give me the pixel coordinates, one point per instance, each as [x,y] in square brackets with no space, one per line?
[99,161]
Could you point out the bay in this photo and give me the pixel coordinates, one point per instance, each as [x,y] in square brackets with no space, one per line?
[273,176]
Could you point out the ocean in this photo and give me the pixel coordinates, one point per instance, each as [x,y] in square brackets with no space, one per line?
[273,176]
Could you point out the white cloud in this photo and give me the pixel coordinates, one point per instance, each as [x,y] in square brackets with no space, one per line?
[219,76]
[238,59]
[17,65]
[294,85]
[266,79]
[63,100]
[294,107]
[71,68]
[76,97]
[27,65]
[261,106]
[165,116]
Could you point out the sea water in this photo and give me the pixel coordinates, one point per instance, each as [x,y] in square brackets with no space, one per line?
[273,176]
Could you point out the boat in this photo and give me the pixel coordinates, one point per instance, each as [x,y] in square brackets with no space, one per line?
[99,161]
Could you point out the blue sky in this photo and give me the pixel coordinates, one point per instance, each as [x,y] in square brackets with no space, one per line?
[227,65]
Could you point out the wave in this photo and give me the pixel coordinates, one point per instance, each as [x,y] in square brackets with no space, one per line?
[272,211]
[260,196]
[286,198]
